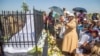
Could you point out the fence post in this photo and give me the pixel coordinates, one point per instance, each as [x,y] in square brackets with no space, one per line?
[1,48]
[35,32]
[1,39]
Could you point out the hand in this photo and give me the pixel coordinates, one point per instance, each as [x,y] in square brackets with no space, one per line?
[65,22]
[93,42]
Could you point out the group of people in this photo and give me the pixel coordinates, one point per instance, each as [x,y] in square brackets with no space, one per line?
[79,34]
[89,36]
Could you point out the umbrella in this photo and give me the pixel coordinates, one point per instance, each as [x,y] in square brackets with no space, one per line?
[57,10]
[57,16]
[78,9]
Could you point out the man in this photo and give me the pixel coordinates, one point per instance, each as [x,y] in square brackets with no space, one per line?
[87,42]
[64,11]
[84,37]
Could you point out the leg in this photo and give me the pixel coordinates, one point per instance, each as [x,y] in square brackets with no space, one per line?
[65,54]
[79,55]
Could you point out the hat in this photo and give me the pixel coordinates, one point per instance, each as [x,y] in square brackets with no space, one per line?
[71,14]
[84,19]
[67,12]
[94,31]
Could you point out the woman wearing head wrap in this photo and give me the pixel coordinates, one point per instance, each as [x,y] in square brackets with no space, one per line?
[70,40]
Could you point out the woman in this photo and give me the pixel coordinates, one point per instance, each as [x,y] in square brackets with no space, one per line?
[45,20]
[70,40]
[64,12]
[50,23]
[62,28]
[81,16]
[94,43]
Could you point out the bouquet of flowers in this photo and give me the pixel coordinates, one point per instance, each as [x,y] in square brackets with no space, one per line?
[53,50]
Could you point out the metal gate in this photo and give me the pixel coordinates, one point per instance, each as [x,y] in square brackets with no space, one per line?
[20,29]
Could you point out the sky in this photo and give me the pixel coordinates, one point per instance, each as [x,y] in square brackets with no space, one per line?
[91,5]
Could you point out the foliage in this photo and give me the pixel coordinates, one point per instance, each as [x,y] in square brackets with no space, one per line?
[33,51]
[25,7]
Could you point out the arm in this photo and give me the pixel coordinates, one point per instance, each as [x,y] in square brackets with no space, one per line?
[85,43]
[84,40]
[71,24]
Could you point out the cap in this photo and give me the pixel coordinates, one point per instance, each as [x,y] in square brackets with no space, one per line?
[71,14]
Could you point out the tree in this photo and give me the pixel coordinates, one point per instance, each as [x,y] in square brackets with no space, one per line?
[25,7]
[89,16]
